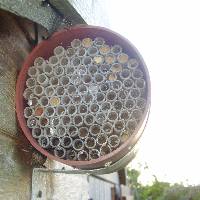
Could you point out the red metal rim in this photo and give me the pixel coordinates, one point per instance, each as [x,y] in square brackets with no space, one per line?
[45,49]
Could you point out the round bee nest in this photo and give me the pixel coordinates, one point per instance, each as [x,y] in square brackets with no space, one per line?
[84,101]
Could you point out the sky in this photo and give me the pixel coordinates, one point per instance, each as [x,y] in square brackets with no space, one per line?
[167,34]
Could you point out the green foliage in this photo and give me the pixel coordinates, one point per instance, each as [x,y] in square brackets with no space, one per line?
[160,190]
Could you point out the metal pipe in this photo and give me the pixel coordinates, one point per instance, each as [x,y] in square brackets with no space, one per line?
[60,91]
[33,71]
[65,120]
[100,97]
[89,119]
[104,87]
[104,68]
[94,154]
[44,101]
[64,61]
[83,108]
[92,51]
[131,125]
[112,116]
[99,78]
[118,105]
[87,60]
[28,112]
[38,90]
[37,132]
[83,132]
[130,103]
[124,115]
[78,144]
[43,121]
[94,107]
[60,152]
[71,109]
[104,49]
[95,129]
[60,110]
[71,89]
[54,81]
[75,43]
[39,111]
[98,59]
[87,42]
[48,70]
[90,142]
[122,58]
[87,79]
[69,70]
[54,141]
[76,99]
[54,121]
[32,122]
[128,83]
[30,82]
[33,101]
[110,58]
[60,131]
[105,106]
[49,131]
[140,83]
[100,118]
[137,73]
[92,69]
[78,120]
[122,95]
[72,130]
[116,49]
[53,60]
[71,154]
[114,141]
[81,52]
[82,155]
[44,141]
[136,114]
[76,80]
[58,71]
[111,95]
[140,103]
[99,41]
[39,61]
[135,93]
[70,52]
[54,101]
[81,70]
[119,126]
[59,51]
[66,141]
[133,63]
[87,98]
[105,149]
[116,85]
[107,128]
[102,139]
[82,89]
[49,91]
[116,67]
[125,74]
[27,93]
[65,100]
[76,61]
